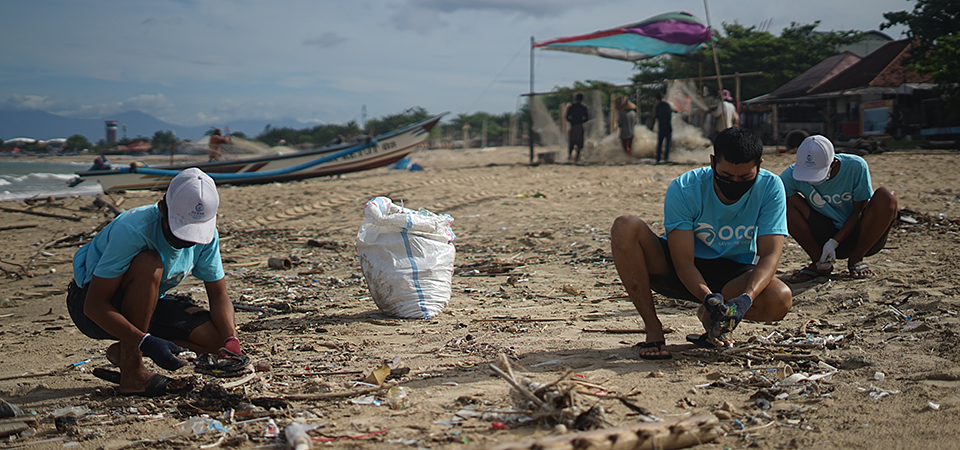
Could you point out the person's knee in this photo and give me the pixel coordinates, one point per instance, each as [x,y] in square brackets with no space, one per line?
[778,301]
[146,265]
[626,226]
[885,199]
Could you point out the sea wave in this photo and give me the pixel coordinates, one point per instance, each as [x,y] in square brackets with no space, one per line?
[4,182]
[87,191]
[37,176]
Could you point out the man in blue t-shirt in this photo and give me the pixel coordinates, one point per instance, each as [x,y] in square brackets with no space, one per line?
[832,210]
[725,226]
[120,279]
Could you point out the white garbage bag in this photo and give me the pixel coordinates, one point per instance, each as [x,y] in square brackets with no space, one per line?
[407,258]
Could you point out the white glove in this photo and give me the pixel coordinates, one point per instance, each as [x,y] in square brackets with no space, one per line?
[829,253]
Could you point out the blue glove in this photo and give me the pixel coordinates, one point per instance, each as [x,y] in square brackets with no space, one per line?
[733,311]
[161,351]
[712,299]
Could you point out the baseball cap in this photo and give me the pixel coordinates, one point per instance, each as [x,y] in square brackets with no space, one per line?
[814,157]
[192,202]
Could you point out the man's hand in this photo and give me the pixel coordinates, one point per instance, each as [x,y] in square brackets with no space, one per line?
[232,345]
[829,254]
[161,351]
[712,299]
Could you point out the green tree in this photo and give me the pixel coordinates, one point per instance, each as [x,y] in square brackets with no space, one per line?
[77,142]
[392,122]
[163,139]
[935,25]
[743,49]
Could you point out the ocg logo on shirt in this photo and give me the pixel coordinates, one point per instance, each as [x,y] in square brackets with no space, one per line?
[708,234]
[822,200]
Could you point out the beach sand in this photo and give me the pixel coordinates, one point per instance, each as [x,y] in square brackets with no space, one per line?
[552,222]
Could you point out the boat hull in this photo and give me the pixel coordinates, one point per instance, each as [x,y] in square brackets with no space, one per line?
[388,149]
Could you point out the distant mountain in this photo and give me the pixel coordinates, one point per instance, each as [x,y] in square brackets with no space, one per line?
[43,125]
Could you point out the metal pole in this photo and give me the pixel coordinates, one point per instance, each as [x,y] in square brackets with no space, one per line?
[716,64]
[530,99]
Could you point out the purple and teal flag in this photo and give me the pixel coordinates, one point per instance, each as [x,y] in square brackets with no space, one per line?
[677,33]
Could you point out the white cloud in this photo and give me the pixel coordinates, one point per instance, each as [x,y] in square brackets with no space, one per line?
[532,7]
[27,101]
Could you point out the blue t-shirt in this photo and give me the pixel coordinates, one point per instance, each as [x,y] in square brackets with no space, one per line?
[834,198]
[725,231]
[109,254]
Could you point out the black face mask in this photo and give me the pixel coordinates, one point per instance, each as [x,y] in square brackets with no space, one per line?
[174,241]
[730,189]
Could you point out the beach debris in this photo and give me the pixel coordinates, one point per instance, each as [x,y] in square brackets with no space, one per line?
[572,290]
[877,393]
[487,267]
[378,376]
[280,263]
[196,426]
[397,398]
[671,434]
[933,406]
[9,409]
[40,213]
[297,437]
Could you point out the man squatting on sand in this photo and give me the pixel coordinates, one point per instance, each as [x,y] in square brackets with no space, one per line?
[725,228]
[120,279]
[832,210]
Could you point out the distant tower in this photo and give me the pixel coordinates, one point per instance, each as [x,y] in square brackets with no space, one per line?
[363,116]
[111,132]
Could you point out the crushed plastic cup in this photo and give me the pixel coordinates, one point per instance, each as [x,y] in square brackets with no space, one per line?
[272,430]
[196,426]
[397,398]
[297,437]
[72,411]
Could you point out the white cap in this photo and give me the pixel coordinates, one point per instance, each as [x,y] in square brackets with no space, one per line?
[814,157]
[192,202]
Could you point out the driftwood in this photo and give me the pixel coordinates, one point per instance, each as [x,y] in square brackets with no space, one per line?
[39,213]
[666,435]
[332,395]
[100,201]
[18,227]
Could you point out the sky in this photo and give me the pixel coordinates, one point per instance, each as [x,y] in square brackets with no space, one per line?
[195,62]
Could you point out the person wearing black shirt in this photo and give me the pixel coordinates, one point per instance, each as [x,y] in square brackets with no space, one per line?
[663,112]
[576,115]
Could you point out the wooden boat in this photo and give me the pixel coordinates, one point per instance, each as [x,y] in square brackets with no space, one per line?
[354,156]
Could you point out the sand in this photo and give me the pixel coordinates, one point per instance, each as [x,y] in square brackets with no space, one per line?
[552,222]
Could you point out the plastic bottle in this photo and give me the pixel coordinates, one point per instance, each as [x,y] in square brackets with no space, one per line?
[199,425]
[397,398]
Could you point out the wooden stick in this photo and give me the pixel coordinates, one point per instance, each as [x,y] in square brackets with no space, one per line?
[100,201]
[330,395]
[31,375]
[665,435]
[526,393]
[40,213]
[518,319]
[18,227]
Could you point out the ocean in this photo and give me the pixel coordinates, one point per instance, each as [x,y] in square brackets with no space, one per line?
[37,178]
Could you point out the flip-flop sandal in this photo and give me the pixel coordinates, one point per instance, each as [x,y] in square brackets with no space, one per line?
[156,387]
[805,274]
[856,271]
[700,340]
[108,375]
[655,344]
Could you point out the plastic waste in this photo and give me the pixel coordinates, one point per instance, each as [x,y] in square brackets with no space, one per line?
[9,409]
[297,437]
[71,411]
[397,398]
[272,430]
[195,426]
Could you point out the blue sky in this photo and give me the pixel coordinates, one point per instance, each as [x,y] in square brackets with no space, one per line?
[209,61]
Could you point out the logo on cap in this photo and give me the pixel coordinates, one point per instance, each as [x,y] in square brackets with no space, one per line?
[197,212]
[810,162]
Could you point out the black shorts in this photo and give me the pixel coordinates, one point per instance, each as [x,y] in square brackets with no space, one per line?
[823,230]
[716,272]
[170,320]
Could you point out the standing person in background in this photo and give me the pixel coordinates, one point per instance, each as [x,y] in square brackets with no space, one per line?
[726,112]
[663,112]
[627,120]
[215,141]
[576,115]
